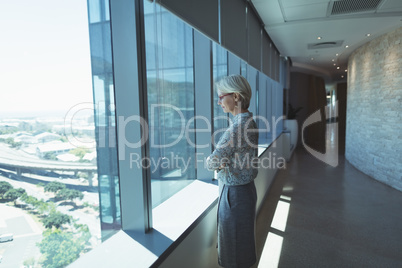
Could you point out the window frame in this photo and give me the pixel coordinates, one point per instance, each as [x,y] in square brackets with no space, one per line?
[130,83]
[129,64]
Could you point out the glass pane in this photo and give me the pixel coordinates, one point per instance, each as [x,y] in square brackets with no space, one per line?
[220,69]
[170,81]
[105,123]
[49,196]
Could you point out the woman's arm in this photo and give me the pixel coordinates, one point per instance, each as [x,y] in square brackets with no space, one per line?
[223,153]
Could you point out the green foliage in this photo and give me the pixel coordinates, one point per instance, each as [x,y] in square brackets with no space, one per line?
[4,187]
[56,219]
[83,233]
[79,152]
[28,199]
[93,206]
[82,175]
[40,205]
[54,186]
[8,130]
[13,194]
[50,156]
[69,194]
[46,207]
[29,262]
[59,248]
[21,191]
[13,143]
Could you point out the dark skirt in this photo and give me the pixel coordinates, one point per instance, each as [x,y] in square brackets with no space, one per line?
[236,226]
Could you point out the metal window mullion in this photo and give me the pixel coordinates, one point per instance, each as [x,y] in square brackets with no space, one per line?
[128,47]
[203,80]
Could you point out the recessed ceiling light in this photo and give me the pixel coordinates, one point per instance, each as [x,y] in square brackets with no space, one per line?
[319,38]
[337,54]
[342,76]
[346,46]
[346,70]
[334,64]
[368,35]
[337,68]
[333,60]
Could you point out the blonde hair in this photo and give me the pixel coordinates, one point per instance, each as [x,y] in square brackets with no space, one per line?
[236,84]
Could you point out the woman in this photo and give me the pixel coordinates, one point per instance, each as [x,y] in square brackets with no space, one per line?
[235,160]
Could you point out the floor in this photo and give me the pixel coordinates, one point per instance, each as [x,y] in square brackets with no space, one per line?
[316,215]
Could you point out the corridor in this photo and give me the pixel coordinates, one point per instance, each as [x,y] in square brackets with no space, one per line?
[316,215]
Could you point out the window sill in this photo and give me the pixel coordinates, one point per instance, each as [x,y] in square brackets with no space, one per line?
[173,221]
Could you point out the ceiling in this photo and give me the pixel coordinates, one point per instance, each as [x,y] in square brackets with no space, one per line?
[295,27]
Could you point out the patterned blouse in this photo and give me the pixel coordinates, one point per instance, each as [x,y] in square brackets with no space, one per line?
[235,157]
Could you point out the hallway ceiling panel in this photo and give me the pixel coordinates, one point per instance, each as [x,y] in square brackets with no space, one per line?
[294,24]
[305,12]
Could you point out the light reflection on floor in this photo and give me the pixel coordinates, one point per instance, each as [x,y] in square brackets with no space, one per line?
[273,245]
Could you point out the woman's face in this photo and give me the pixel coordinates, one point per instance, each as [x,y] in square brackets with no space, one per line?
[227,102]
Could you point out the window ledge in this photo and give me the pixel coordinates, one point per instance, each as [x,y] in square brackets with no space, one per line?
[173,219]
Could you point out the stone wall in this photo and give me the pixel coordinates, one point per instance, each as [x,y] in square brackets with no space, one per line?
[374,109]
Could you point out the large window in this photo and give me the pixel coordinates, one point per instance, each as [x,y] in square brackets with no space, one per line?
[49,178]
[63,127]
[170,81]
[157,71]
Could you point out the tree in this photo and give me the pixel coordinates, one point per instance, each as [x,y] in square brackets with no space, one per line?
[54,186]
[59,248]
[45,207]
[79,152]
[13,143]
[69,194]
[56,219]
[29,262]
[4,187]
[14,194]
[29,200]
[50,156]
[84,235]
[21,191]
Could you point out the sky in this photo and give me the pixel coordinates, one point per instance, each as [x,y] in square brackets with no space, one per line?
[44,56]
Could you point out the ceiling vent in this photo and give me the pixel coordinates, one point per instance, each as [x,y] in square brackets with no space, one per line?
[325,45]
[354,6]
